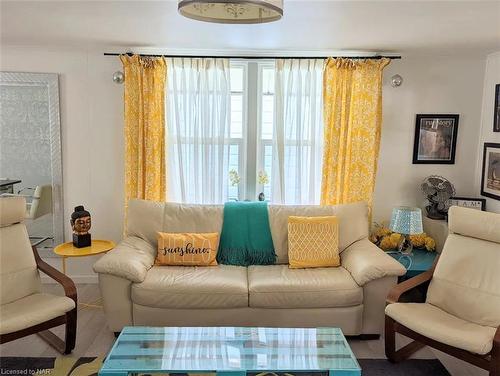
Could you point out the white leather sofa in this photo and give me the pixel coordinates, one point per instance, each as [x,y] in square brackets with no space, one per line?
[352,296]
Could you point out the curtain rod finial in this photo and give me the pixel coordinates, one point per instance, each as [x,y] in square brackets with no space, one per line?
[118,77]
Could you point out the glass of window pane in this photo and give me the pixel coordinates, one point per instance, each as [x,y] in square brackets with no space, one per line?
[236,116]
[236,78]
[268,80]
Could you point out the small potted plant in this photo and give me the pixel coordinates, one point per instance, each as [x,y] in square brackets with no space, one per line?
[262,179]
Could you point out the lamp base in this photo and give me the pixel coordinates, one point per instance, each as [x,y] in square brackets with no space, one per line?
[405,247]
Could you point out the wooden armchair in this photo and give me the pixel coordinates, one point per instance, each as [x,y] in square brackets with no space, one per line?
[24,310]
[461,314]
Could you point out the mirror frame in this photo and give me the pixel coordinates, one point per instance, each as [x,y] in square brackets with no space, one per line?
[51,81]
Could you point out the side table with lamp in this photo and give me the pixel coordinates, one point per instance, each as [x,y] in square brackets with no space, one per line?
[408,221]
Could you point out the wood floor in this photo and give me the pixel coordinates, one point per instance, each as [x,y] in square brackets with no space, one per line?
[95,339]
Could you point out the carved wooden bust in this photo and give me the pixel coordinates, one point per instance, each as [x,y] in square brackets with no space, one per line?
[81,223]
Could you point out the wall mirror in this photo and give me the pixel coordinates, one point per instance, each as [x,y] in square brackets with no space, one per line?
[30,151]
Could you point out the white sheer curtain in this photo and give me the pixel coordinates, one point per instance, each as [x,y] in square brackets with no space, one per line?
[198,118]
[298,132]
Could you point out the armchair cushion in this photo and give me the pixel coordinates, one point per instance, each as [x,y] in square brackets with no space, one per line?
[131,259]
[32,310]
[432,322]
[474,223]
[366,262]
[466,280]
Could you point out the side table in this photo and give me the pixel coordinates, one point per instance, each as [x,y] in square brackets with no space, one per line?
[97,247]
[420,261]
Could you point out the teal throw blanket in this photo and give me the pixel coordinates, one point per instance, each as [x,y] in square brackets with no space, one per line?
[246,235]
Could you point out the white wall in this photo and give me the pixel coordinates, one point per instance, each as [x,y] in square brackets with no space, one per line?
[92,135]
[491,78]
[432,85]
[92,142]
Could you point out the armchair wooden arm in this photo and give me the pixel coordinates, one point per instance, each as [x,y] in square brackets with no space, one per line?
[64,280]
[398,290]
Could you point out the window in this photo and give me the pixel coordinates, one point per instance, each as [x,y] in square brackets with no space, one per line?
[231,123]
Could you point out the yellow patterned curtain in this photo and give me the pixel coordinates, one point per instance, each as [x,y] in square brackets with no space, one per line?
[353,116]
[145,80]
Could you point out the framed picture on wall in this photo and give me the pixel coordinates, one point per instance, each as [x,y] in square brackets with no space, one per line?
[435,139]
[467,202]
[490,181]
[496,115]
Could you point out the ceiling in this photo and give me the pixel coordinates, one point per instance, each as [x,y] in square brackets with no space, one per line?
[407,27]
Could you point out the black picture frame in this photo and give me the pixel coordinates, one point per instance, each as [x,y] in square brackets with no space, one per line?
[496,112]
[480,201]
[441,128]
[490,182]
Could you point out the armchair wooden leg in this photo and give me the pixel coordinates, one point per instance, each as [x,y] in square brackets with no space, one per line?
[495,360]
[70,336]
[66,346]
[390,339]
[390,344]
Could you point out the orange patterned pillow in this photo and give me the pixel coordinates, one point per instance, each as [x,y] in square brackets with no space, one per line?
[187,249]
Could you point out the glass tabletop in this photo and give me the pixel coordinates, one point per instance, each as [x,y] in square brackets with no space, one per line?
[230,350]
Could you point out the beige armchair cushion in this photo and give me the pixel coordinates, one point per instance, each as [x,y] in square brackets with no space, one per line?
[366,262]
[184,287]
[353,223]
[474,223]
[466,282]
[278,286]
[131,259]
[12,210]
[439,325]
[18,271]
[32,310]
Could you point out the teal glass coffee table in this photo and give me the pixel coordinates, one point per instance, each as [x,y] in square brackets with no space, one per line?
[229,351]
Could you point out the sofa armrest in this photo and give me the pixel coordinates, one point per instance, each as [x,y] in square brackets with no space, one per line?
[366,262]
[131,259]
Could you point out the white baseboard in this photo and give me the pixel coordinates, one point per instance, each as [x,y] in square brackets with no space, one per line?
[78,279]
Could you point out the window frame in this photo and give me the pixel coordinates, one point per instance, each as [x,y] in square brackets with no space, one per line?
[241,142]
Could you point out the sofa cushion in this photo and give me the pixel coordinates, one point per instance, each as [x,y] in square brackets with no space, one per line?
[278,286]
[221,286]
[146,218]
[438,325]
[353,223]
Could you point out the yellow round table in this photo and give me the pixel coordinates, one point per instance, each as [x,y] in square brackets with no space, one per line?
[66,250]
[69,250]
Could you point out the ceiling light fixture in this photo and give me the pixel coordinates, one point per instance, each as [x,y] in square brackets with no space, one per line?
[232,11]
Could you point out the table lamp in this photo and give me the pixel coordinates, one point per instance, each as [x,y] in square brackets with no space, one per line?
[407,221]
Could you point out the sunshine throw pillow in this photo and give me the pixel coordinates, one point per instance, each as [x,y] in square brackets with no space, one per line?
[187,249]
[313,242]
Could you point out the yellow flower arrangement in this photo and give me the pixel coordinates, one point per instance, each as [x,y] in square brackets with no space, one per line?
[418,240]
[430,244]
[387,240]
[387,244]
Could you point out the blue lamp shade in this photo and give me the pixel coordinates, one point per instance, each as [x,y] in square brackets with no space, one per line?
[406,220]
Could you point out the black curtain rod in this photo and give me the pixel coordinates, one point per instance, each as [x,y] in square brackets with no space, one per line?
[376,57]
